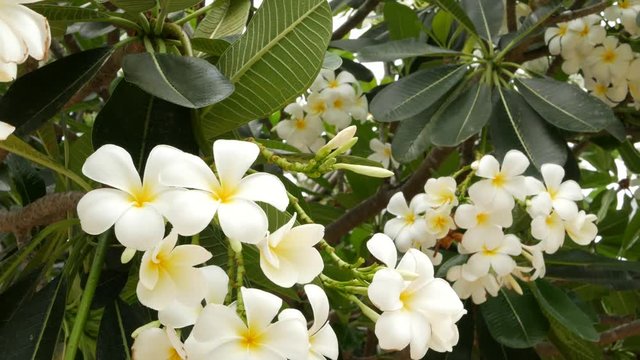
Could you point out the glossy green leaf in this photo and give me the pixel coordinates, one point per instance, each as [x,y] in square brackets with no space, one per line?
[185,81]
[571,346]
[630,156]
[559,306]
[274,61]
[39,95]
[486,16]
[401,20]
[226,17]
[566,105]
[463,117]
[412,138]
[177,5]
[493,350]
[68,13]
[515,320]
[517,126]
[413,94]
[138,121]
[631,233]
[210,47]
[400,49]
[583,267]
[453,7]
[119,321]
[134,5]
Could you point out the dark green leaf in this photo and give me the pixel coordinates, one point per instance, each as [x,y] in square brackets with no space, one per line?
[582,267]
[39,95]
[27,179]
[463,117]
[358,70]
[412,136]
[413,94]
[492,350]
[452,7]
[515,320]
[630,156]
[119,321]
[631,233]
[68,13]
[138,121]
[177,5]
[560,307]
[517,126]
[226,17]
[486,15]
[400,49]
[211,47]
[135,5]
[570,345]
[402,21]
[182,80]
[565,105]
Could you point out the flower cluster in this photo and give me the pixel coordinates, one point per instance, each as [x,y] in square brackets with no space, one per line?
[332,99]
[609,68]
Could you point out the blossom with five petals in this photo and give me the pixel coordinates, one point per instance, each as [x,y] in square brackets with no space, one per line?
[301,130]
[555,194]
[492,253]
[482,221]
[581,229]
[476,289]
[328,83]
[158,344]
[381,153]
[408,225]
[441,192]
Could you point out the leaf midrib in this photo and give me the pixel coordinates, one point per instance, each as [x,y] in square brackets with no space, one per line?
[515,314]
[473,106]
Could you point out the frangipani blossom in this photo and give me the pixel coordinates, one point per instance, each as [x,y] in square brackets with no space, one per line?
[5,128]
[441,192]
[536,256]
[359,108]
[408,225]
[482,221]
[232,197]
[588,30]
[301,130]
[167,274]
[158,344]
[323,341]
[502,183]
[439,221]
[610,93]
[492,254]
[288,256]
[610,61]
[337,112]
[476,289]
[560,39]
[556,194]
[549,229]
[581,229]
[627,11]
[328,83]
[381,153]
[220,333]
[130,202]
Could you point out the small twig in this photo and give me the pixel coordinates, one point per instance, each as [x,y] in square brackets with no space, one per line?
[512,24]
[356,19]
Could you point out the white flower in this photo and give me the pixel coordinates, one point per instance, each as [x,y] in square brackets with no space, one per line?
[476,289]
[328,83]
[288,257]
[167,274]
[337,112]
[408,226]
[610,61]
[441,192]
[555,194]
[482,221]
[220,333]
[493,253]
[549,229]
[419,310]
[344,138]
[5,129]
[536,256]
[316,105]
[439,221]
[609,93]
[301,131]
[502,184]
[359,108]
[627,12]
[158,344]
[130,203]
[23,33]
[381,153]
[323,341]
[560,39]
[574,60]
[582,229]
[588,30]
[232,198]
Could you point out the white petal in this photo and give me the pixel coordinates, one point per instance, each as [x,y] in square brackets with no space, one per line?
[398,205]
[152,344]
[233,158]
[140,228]
[288,338]
[514,163]
[162,295]
[243,220]
[216,322]
[189,255]
[394,227]
[261,307]
[466,216]
[99,209]
[319,305]
[385,289]
[570,190]
[189,172]
[13,49]
[113,166]
[393,330]
[420,336]
[160,157]
[264,187]
[217,284]
[502,264]
[482,192]
[325,342]
[567,209]
[553,175]
[33,27]
[488,167]
[189,284]
[8,72]
[477,266]
[189,211]
[382,248]
[178,315]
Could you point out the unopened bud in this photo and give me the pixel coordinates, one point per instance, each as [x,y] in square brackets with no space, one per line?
[372,171]
[127,255]
[341,138]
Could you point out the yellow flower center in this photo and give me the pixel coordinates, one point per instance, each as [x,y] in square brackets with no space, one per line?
[609,56]
[406,297]
[410,219]
[300,124]
[562,29]
[142,197]
[549,220]
[223,194]
[333,84]
[482,218]
[499,180]
[338,103]
[585,31]
[600,89]
[552,193]
[488,252]
[624,4]
[250,340]
[173,355]
[318,107]
[439,222]
[387,152]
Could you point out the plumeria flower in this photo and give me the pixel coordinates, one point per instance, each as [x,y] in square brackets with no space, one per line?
[158,344]
[23,33]
[381,153]
[576,59]
[502,183]
[167,274]
[627,11]
[554,193]
[536,256]
[408,225]
[482,220]
[610,61]
[560,39]
[232,197]
[359,108]
[426,243]
[338,108]
[328,83]
[610,93]
[220,333]
[323,342]
[441,192]
[549,229]
[492,254]
[581,229]
[288,256]
[418,310]
[301,131]
[130,202]
[476,289]
[317,105]
[439,221]
[6,129]
[588,30]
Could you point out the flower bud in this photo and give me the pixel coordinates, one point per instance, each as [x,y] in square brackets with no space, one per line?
[341,138]
[372,171]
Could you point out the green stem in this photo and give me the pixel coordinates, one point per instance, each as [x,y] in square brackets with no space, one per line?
[195,14]
[366,310]
[124,23]
[126,41]
[239,283]
[301,213]
[148,45]
[231,274]
[144,23]
[160,21]
[176,30]
[87,297]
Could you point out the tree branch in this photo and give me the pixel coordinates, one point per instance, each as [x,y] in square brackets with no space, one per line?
[512,24]
[356,19]
[374,204]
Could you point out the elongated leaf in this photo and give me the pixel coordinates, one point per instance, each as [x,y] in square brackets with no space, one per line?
[138,121]
[412,137]
[211,47]
[566,106]
[226,17]
[515,320]
[41,94]
[570,345]
[30,328]
[560,307]
[177,5]
[400,49]
[182,80]
[276,60]
[68,13]
[532,23]
[486,16]
[135,5]
[413,94]
[517,126]
[452,7]
[119,321]
[402,21]
[463,117]
[492,350]
[630,156]
[583,267]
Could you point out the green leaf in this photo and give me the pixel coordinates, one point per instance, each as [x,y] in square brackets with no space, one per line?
[68,13]
[79,151]
[492,350]
[177,5]
[226,17]
[413,136]
[463,117]
[515,320]
[517,126]
[400,49]
[486,15]
[401,20]
[452,7]
[182,80]
[570,345]
[138,121]
[565,105]
[30,325]
[535,20]
[39,95]
[119,321]
[631,233]
[274,61]
[211,47]
[134,6]
[413,94]
[560,307]
[630,156]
